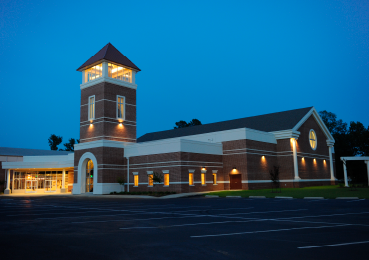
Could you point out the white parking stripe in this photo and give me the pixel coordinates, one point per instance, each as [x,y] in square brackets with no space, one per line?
[266,231]
[343,244]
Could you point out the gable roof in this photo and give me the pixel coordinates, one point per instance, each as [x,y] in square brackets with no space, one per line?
[110,53]
[268,123]
[9,151]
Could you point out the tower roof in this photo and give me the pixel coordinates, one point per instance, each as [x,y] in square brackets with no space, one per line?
[110,53]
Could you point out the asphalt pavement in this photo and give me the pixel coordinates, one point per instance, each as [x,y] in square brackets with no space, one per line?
[184,228]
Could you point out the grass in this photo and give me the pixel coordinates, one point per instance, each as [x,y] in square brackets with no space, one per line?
[328,192]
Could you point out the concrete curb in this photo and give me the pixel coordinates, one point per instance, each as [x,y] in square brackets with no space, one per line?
[282,197]
[233,197]
[257,197]
[347,198]
[211,196]
[314,198]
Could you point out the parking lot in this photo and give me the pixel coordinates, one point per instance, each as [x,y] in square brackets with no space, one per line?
[185,228]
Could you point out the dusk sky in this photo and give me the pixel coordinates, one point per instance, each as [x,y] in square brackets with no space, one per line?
[210,60]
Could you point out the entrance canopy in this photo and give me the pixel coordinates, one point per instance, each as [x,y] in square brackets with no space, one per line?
[354,158]
[39,174]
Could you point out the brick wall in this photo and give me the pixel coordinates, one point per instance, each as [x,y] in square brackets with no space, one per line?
[105,125]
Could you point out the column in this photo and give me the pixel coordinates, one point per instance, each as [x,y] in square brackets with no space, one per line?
[63,189]
[105,69]
[295,165]
[127,174]
[367,170]
[7,190]
[331,163]
[345,173]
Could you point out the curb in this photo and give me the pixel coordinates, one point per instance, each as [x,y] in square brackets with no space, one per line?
[257,197]
[211,196]
[282,197]
[314,198]
[233,197]
[347,198]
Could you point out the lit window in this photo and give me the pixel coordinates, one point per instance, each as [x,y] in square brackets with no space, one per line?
[166,179]
[203,181]
[214,178]
[93,73]
[190,178]
[136,180]
[120,107]
[119,72]
[91,108]
[151,182]
[312,139]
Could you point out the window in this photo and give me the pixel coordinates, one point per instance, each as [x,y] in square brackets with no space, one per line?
[120,107]
[136,180]
[203,180]
[312,139]
[214,178]
[151,182]
[91,108]
[166,179]
[93,73]
[190,178]
[119,72]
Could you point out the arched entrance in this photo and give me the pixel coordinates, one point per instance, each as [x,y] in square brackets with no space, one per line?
[90,176]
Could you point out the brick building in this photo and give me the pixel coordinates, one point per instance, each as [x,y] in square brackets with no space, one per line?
[234,154]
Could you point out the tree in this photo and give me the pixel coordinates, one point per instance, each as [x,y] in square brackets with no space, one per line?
[70,146]
[157,178]
[121,182]
[274,176]
[182,124]
[54,141]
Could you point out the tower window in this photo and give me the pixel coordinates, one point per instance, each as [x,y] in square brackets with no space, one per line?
[120,107]
[203,179]
[312,139]
[214,178]
[119,72]
[93,73]
[91,108]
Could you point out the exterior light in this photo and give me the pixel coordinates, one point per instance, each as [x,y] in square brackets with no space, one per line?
[234,168]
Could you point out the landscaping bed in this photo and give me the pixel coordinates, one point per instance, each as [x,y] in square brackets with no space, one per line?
[147,193]
[328,192]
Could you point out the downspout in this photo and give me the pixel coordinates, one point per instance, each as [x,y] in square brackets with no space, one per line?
[127,174]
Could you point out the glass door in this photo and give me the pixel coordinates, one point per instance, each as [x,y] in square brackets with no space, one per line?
[50,181]
[31,186]
[90,176]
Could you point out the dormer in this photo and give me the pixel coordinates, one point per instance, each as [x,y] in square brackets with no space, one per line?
[109,65]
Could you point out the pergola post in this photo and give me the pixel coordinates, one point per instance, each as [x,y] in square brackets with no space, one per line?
[367,170]
[345,173]
[7,190]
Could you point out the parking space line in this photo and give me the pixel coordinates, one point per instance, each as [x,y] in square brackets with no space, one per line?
[263,212]
[343,244]
[271,230]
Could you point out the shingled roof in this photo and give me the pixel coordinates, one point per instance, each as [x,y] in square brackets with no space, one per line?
[8,151]
[110,53]
[268,123]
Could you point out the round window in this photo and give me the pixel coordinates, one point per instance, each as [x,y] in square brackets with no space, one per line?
[312,139]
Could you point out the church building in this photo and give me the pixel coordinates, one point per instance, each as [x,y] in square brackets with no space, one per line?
[234,154]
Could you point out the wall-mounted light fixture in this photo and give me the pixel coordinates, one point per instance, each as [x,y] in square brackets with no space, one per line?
[234,168]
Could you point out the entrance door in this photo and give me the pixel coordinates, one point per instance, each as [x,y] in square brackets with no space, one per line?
[31,186]
[235,181]
[90,176]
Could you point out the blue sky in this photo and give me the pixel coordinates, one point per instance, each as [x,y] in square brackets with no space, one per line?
[210,60]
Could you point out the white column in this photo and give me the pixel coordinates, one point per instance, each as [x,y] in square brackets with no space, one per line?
[367,170]
[331,163]
[63,189]
[83,77]
[345,173]
[127,174]
[295,165]
[7,190]
[105,72]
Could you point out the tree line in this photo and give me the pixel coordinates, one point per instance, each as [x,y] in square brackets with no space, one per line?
[55,141]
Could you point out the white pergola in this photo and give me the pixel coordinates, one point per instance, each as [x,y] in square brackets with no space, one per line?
[354,158]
